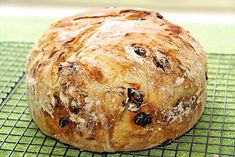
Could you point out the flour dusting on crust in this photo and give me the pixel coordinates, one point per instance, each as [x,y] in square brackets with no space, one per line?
[183,108]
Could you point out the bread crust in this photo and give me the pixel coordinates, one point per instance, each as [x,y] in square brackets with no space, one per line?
[116,79]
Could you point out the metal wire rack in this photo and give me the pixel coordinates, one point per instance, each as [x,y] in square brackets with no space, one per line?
[214,134]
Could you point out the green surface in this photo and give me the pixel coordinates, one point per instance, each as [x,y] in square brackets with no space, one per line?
[214,133]
[22,29]
[214,37]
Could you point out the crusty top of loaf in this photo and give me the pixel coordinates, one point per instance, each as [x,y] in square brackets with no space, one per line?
[90,63]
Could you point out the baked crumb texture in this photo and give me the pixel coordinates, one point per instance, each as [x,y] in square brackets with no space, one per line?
[116,79]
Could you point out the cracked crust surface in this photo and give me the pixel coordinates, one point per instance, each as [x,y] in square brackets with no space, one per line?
[116,79]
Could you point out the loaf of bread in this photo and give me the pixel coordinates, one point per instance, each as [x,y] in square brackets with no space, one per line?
[116,79]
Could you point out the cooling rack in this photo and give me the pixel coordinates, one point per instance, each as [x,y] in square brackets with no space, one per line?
[214,134]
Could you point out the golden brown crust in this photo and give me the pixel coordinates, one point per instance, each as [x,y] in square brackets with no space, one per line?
[104,76]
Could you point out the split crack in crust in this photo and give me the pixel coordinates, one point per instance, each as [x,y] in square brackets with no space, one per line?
[80,71]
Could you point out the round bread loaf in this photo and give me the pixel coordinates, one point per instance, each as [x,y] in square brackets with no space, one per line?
[116,79]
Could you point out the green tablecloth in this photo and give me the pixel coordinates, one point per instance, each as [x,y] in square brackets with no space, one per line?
[219,38]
